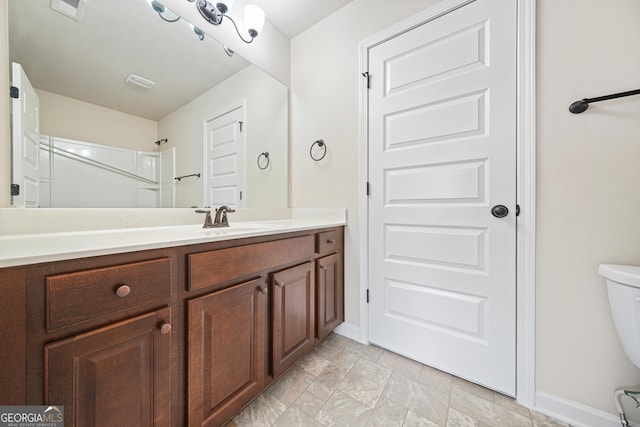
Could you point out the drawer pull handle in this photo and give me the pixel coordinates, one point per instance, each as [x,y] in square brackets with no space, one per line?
[280,284]
[264,290]
[331,242]
[165,328]
[123,290]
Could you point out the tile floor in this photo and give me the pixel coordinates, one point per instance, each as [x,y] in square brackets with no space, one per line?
[344,383]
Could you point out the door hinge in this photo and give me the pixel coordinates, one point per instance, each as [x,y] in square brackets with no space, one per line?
[367,296]
[240,126]
[14,92]
[368,188]
[517,210]
[15,190]
[366,75]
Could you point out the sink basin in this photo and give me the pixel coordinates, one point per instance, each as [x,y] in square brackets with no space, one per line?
[234,228]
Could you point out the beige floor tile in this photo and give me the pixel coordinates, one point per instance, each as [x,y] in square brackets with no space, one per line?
[510,403]
[485,411]
[295,416]
[336,342]
[309,403]
[421,399]
[540,420]
[415,420]
[313,363]
[262,412]
[474,389]
[326,352]
[366,382]
[327,382]
[369,352]
[342,410]
[400,364]
[387,414]
[435,379]
[291,385]
[458,419]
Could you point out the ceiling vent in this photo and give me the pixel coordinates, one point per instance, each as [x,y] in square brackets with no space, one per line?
[71,8]
[140,82]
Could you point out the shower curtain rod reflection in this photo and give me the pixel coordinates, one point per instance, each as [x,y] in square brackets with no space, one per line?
[91,162]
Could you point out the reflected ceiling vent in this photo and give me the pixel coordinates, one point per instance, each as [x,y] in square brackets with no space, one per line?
[140,82]
[71,8]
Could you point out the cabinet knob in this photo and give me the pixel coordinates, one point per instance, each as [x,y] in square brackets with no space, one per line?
[331,242]
[280,284]
[165,328]
[264,290]
[123,290]
[323,267]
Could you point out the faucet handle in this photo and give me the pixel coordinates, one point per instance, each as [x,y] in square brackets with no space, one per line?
[207,219]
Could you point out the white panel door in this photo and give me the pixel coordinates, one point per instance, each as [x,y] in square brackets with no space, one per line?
[442,153]
[25,122]
[224,160]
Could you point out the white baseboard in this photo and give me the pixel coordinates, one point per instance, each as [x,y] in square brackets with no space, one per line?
[574,413]
[349,330]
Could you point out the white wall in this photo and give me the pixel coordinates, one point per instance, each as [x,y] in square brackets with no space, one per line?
[588,193]
[266,130]
[73,119]
[587,171]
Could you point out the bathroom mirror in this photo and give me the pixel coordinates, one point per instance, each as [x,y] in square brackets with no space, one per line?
[79,66]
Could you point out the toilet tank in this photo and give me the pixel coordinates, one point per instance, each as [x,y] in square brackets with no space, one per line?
[623,287]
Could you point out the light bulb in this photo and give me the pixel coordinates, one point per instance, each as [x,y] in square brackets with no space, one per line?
[253,19]
[224,6]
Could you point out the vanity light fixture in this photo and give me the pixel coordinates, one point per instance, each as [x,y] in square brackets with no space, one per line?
[198,32]
[164,13]
[215,14]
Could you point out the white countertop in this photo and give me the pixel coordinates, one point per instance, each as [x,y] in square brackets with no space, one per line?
[22,249]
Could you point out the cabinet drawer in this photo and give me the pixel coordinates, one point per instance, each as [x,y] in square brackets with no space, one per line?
[85,295]
[214,267]
[328,241]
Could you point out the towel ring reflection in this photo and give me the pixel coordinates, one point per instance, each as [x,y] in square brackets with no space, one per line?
[266,156]
[320,143]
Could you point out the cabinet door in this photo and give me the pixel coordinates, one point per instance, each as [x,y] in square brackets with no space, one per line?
[293,315]
[119,375]
[330,294]
[226,351]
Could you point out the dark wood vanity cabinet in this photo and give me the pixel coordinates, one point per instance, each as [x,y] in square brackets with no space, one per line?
[185,335]
[226,349]
[118,375]
[293,315]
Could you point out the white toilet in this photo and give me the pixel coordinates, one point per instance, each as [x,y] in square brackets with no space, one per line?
[623,285]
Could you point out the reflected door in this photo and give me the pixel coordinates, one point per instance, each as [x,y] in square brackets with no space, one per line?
[25,139]
[224,159]
[442,152]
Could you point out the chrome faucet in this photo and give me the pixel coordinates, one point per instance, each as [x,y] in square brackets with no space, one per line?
[221,216]
[207,219]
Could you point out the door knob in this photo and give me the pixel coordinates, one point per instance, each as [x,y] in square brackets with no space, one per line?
[499,211]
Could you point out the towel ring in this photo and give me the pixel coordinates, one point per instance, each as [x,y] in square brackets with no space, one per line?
[320,143]
[266,156]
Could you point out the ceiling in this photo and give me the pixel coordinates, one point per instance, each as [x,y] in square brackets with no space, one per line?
[294,16]
[90,59]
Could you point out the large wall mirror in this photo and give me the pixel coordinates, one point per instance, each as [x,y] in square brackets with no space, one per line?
[106,139]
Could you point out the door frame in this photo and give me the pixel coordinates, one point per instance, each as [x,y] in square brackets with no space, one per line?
[525,177]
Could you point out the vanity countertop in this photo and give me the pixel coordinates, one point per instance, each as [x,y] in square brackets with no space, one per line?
[22,249]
